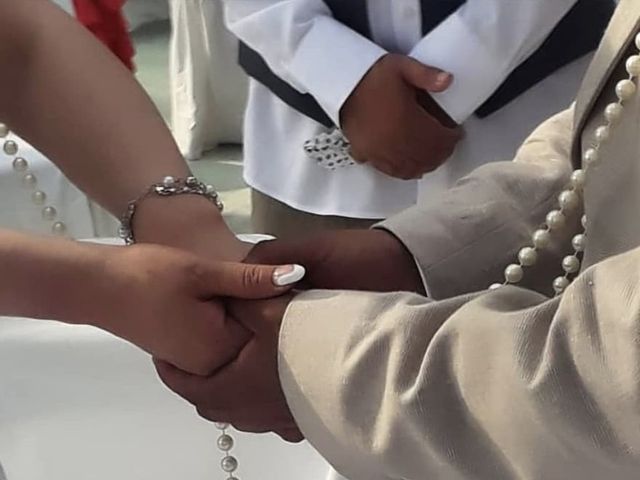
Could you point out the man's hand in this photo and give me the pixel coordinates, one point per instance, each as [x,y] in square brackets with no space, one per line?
[370,260]
[169,303]
[393,124]
[247,392]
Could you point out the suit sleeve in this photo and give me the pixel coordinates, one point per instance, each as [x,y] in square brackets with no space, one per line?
[463,242]
[499,385]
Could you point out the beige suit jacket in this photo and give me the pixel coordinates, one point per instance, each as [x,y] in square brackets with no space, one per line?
[508,384]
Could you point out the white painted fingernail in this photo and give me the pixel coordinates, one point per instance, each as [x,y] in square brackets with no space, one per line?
[288,275]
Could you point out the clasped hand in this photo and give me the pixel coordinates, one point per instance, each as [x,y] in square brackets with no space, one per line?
[246,391]
[394,124]
[212,341]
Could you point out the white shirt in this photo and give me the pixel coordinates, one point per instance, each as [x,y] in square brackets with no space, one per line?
[481,44]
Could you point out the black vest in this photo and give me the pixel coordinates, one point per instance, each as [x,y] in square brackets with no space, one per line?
[577,34]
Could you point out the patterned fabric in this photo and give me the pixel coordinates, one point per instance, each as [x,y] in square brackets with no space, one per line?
[330,150]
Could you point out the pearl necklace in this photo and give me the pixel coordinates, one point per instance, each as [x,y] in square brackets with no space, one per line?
[29,181]
[225,443]
[569,199]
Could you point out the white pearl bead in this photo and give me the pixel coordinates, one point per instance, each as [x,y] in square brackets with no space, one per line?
[225,443]
[541,239]
[29,180]
[20,164]
[4,130]
[528,256]
[513,273]
[625,89]
[591,155]
[583,221]
[49,213]
[556,220]
[495,286]
[578,178]
[59,228]
[579,242]
[221,425]
[568,200]
[613,112]
[210,189]
[169,181]
[603,134]
[571,264]
[39,197]
[229,464]
[560,284]
[633,65]
[10,147]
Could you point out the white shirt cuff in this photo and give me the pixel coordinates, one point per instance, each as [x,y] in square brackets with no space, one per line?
[478,71]
[330,62]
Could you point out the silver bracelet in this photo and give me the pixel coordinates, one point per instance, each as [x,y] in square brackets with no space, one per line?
[169,187]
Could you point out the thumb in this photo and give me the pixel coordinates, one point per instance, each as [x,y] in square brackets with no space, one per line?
[247,281]
[424,77]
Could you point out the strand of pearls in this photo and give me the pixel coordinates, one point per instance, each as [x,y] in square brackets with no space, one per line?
[571,199]
[229,463]
[29,181]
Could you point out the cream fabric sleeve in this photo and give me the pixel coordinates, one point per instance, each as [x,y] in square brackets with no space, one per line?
[499,385]
[463,242]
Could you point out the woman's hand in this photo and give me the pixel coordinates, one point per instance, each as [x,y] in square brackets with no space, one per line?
[168,302]
[191,223]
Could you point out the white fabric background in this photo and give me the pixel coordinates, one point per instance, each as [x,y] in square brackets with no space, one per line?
[208,88]
[77,403]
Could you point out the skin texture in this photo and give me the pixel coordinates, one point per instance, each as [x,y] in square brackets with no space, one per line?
[371,260]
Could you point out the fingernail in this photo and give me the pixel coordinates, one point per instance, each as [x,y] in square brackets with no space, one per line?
[443,78]
[288,275]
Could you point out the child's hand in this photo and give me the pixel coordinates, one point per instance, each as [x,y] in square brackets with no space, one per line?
[387,122]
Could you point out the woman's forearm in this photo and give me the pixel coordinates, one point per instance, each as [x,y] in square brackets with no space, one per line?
[43,277]
[69,96]
[65,93]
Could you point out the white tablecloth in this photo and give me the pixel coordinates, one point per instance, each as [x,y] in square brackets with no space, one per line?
[77,403]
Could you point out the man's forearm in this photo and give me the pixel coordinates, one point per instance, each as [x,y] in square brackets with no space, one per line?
[70,97]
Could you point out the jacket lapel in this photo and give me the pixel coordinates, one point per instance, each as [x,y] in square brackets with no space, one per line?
[621,31]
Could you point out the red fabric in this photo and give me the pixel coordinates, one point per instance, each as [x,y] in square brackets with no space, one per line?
[105,19]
